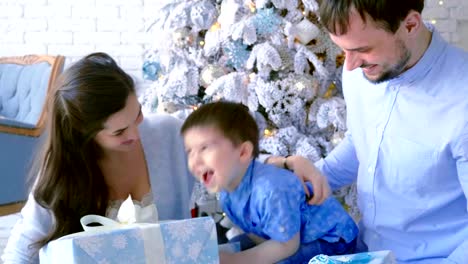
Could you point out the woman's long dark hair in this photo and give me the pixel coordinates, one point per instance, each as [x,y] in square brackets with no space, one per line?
[70,183]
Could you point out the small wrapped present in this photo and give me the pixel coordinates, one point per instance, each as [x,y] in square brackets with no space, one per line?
[376,257]
[181,241]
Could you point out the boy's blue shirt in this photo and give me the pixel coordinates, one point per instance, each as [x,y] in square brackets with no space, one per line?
[271,203]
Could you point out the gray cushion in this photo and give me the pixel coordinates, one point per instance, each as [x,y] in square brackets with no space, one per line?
[23,90]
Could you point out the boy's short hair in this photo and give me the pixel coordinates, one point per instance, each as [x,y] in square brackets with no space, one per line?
[232,119]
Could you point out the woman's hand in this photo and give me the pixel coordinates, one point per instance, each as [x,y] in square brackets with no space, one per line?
[306,171]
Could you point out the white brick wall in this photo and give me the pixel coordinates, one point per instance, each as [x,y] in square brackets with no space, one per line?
[451,18]
[75,28]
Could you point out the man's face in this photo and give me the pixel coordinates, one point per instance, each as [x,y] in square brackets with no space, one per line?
[381,55]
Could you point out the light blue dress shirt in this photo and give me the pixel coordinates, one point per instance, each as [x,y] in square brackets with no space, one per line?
[271,203]
[407,147]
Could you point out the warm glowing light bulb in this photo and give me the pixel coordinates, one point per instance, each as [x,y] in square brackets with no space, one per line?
[215,27]
[441,2]
[267,132]
[178,35]
[251,6]
[202,43]
[300,86]
[433,21]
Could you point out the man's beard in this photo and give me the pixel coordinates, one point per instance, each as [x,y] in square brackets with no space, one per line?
[397,69]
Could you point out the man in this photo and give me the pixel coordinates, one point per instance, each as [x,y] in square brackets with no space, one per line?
[407,140]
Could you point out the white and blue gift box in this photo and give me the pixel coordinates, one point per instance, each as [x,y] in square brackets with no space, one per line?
[180,241]
[375,257]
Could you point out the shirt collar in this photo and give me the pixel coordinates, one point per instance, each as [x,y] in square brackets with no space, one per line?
[429,58]
[242,192]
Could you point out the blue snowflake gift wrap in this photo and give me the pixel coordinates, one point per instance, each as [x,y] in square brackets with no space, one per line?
[181,241]
[376,257]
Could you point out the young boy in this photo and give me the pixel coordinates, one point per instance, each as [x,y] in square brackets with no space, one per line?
[267,203]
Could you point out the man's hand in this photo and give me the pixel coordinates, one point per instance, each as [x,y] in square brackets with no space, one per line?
[306,171]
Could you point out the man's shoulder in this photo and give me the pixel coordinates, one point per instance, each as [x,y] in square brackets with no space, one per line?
[455,61]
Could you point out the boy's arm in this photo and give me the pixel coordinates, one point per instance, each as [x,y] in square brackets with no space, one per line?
[256,239]
[270,251]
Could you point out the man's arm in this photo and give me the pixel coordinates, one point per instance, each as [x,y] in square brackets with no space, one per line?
[270,251]
[460,152]
[340,168]
[305,170]
[341,165]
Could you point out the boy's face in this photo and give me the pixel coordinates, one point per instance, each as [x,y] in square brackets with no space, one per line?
[214,159]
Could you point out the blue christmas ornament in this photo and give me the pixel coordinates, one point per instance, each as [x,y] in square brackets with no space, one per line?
[266,21]
[236,53]
[151,70]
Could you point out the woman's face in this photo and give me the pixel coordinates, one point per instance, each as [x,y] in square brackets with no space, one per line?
[120,131]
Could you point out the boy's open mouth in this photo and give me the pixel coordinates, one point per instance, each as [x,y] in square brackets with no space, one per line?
[207,177]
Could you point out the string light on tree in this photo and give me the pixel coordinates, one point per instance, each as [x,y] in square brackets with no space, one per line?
[337,137]
[215,27]
[330,91]
[300,86]
[268,132]
[251,6]
[252,76]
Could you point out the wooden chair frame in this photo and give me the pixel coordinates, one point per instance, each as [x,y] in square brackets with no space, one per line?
[57,63]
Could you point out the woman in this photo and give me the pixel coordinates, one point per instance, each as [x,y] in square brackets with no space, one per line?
[99,150]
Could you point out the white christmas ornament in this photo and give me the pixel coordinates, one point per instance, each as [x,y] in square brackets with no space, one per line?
[210,73]
[227,17]
[203,15]
[306,31]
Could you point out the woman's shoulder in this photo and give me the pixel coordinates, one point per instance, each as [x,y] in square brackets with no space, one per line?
[163,131]
[164,123]
[153,119]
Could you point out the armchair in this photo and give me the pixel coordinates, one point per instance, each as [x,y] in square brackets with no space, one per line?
[24,84]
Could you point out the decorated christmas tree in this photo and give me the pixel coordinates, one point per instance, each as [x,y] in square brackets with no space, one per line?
[271,55]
